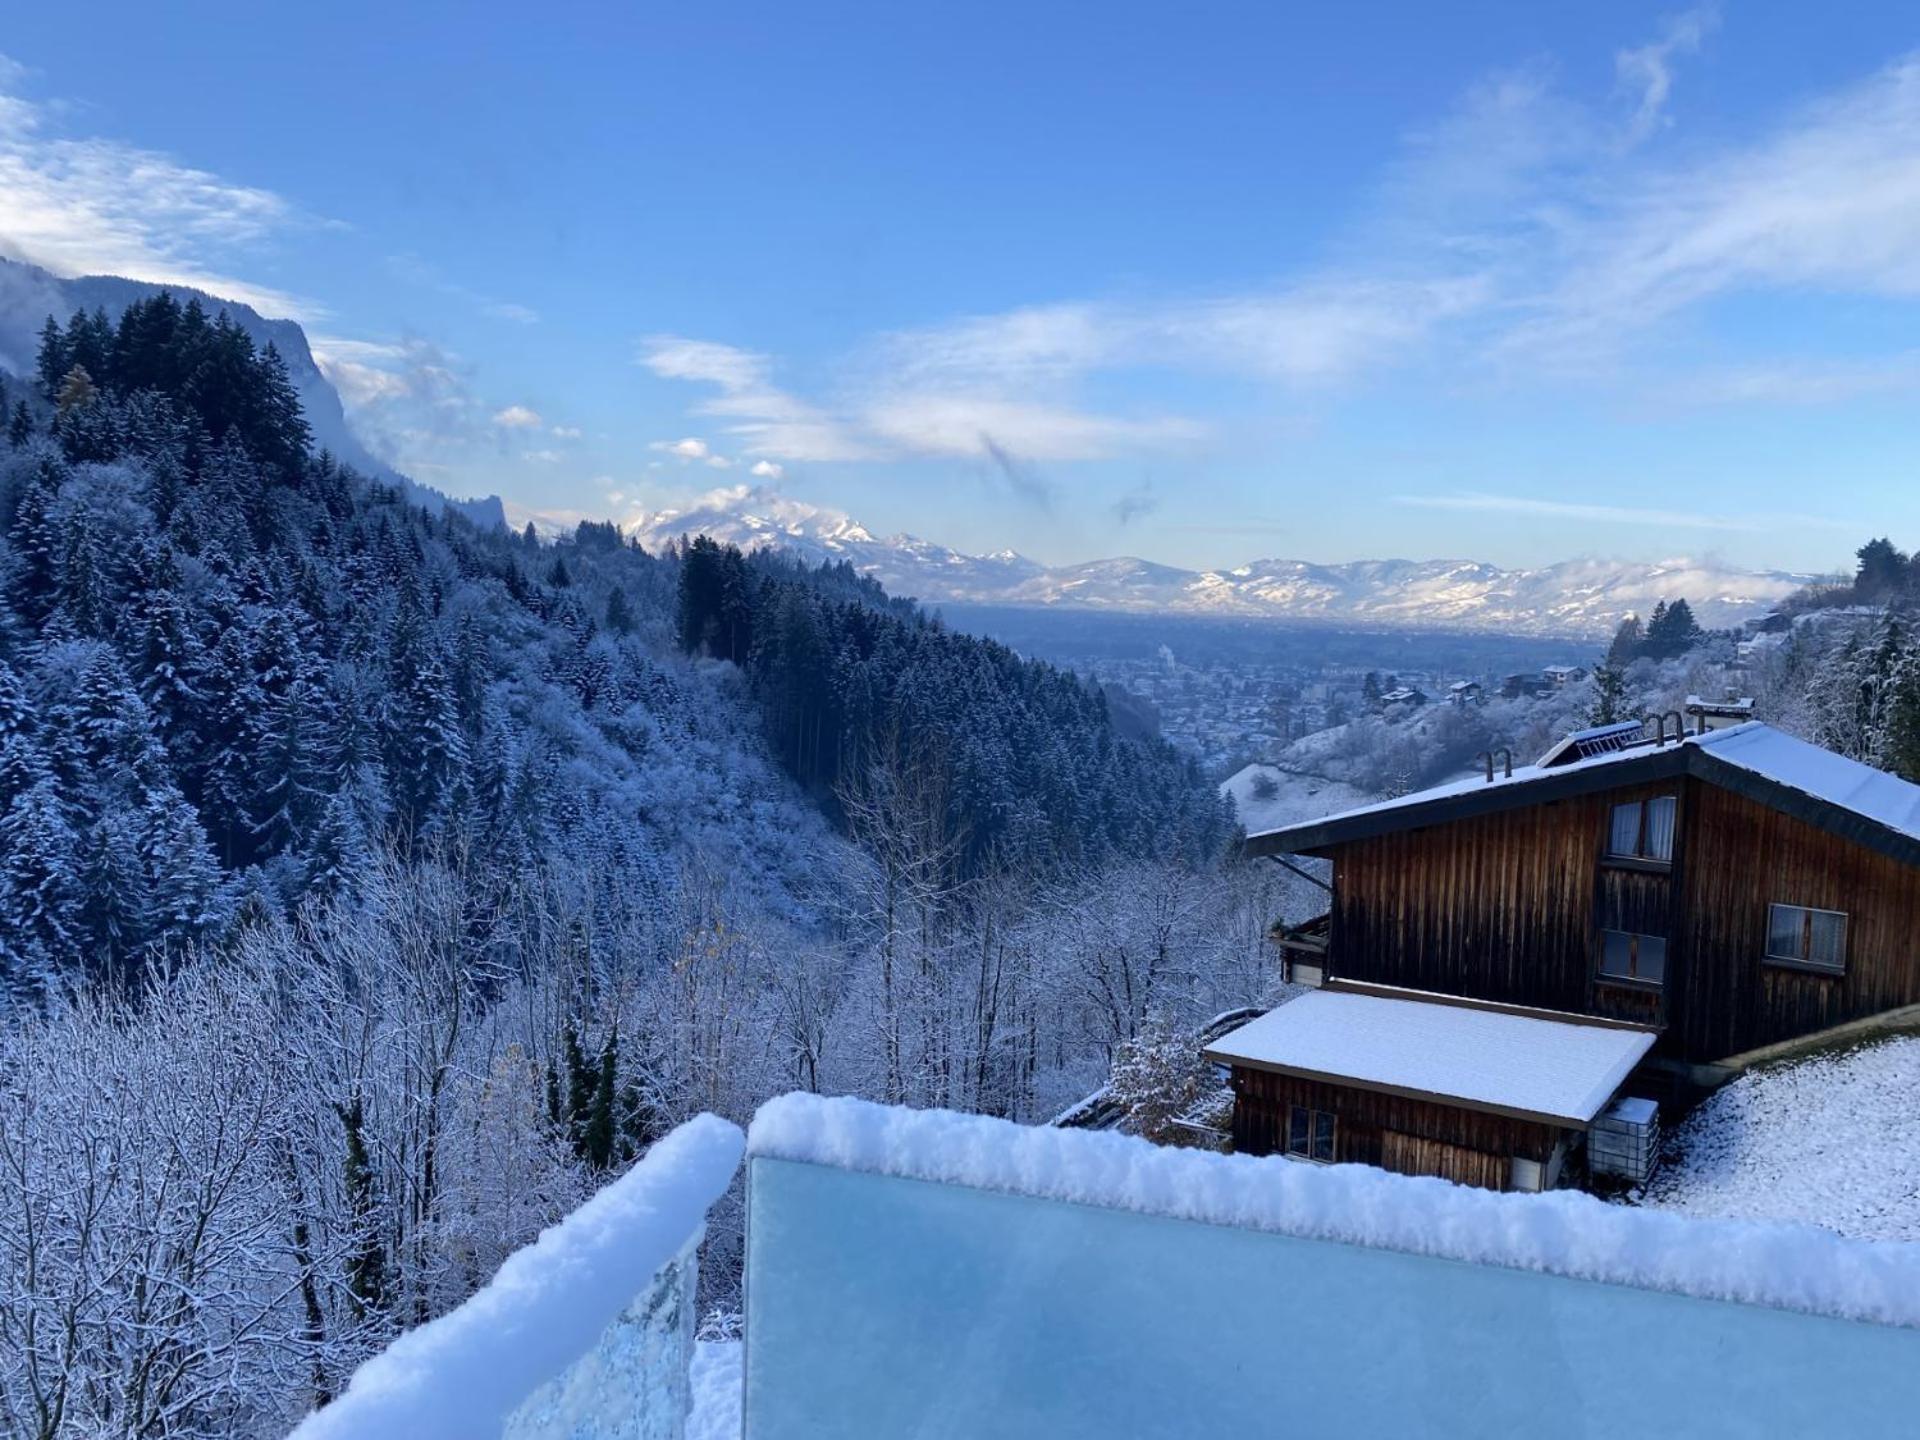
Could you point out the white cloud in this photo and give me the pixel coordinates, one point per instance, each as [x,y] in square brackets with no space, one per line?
[411,401]
[1646,72]
[1535,507]
[767,470]
[1321,330]
[691,448]
[1011,381]
[997,385]
[83,205]
[719,462]
[417,408]
[565,432]
[1828,203]
[366,373]
[766,420]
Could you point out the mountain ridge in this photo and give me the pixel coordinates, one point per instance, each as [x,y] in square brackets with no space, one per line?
[29,294]
[1584,597]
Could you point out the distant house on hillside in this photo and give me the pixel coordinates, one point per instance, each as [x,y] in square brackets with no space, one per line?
[1513,687]
[1558,677]
[1717,894]
[1718,714]
[1465,692]
[1406,695]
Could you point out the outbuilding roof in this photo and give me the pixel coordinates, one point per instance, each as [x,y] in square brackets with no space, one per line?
[1845,797]
[1490,1058]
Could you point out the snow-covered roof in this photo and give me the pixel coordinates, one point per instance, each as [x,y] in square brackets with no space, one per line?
[1487,1058]
[1776,756]
[1787,769]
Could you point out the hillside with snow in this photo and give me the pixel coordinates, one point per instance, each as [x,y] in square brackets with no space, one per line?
[1583,597]
[1829,1139]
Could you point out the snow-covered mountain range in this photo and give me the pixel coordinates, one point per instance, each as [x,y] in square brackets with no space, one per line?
[1585,597]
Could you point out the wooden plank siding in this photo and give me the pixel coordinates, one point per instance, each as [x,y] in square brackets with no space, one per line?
[1508,906]
[1410,1155]
[1746,857]
[1496,907]
[1374,1129]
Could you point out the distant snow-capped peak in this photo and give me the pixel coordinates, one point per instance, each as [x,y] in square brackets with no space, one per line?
[1573,597]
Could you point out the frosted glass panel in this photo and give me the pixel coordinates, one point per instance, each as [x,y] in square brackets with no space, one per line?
[882,1306]
[633,1385]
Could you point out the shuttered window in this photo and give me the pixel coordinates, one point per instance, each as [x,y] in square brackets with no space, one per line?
[1625,956]
[1643,830]
[1801,935]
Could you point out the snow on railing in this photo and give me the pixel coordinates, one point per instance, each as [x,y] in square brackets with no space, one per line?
[585,1333]
[920,1273]
[1785,1266]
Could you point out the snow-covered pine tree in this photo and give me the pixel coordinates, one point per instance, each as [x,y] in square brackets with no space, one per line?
[40,889]
[1609,705]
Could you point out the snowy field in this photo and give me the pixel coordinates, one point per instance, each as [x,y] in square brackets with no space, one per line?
[1290,797]
[1832,1140]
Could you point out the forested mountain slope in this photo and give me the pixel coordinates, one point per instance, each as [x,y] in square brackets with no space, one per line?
[373,884]
[235,668]
[30,295]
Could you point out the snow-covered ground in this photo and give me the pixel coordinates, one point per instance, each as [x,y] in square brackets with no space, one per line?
[717,1376]
[1266,797]
[1832,1140]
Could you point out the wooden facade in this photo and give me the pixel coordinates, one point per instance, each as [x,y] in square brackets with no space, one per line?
[1509,906]
[1395,1132]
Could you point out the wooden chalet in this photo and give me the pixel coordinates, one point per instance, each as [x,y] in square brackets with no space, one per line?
[1720,892]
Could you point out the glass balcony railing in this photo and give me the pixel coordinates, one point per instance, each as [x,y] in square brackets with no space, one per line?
[586,1334]
[933,1275]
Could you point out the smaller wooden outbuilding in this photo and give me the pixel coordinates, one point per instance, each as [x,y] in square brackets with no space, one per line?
[1481,1094]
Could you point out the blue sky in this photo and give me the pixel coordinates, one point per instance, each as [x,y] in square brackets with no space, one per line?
[1507,281]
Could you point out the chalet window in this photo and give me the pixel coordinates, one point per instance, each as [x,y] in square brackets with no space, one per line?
[1799,935]
[1643,830]
[1633,957]
[1310,1133]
